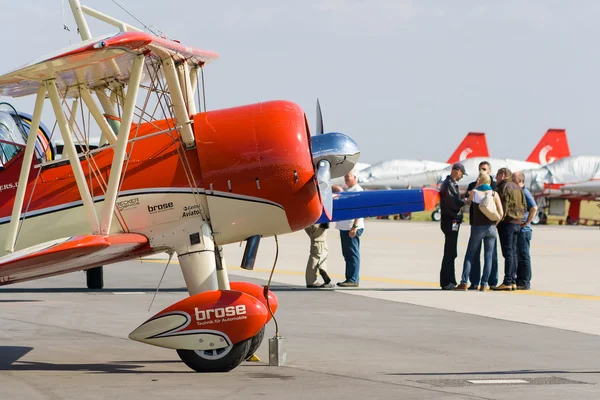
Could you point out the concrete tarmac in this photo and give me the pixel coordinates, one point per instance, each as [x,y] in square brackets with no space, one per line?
[396,336]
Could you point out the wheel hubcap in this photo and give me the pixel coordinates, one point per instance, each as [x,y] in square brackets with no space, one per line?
[214,354]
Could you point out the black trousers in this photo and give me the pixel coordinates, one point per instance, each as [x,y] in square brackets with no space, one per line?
[447,272]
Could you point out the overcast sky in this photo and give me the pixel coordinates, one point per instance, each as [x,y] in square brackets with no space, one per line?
[405,79]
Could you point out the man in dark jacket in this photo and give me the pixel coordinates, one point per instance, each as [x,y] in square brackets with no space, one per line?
[451,205]
[476,262]
[513,204]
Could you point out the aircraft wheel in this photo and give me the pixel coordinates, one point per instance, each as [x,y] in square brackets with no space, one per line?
[95,278]
[219,360]
[436,215]
[405,216]
[256,342]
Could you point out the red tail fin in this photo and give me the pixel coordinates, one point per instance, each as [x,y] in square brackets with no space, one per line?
[552,147]
[473,145]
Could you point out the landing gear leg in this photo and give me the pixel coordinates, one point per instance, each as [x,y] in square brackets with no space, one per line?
[223,278]
[222,275]
[198,263]
[95,278]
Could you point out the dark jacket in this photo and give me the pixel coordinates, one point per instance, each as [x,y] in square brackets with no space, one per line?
[471,187]
[451,203]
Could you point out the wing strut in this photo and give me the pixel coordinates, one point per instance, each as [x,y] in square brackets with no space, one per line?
[107,131]
[187,88]
[119,156]
[25,169]
[88,203]
[82,25]
[181,113]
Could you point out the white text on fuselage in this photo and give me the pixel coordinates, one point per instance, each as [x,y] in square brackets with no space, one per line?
[216,315]
[9,186]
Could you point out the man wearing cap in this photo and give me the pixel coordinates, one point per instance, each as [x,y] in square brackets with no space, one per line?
[451,205]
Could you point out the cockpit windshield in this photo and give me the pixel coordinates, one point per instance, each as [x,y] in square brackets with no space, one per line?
[11,138]
[14,130]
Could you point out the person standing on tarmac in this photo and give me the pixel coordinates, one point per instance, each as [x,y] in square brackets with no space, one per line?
[451,205]
[475,275]
[524,238]
[513,204]
[317,260]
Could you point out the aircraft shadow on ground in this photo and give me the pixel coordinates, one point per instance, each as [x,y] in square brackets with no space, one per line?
[10,360]
[20,301]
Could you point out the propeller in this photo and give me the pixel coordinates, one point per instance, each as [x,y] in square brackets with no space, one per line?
[319,119]
[334,155]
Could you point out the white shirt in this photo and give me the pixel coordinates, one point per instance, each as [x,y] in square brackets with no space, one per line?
[347,225]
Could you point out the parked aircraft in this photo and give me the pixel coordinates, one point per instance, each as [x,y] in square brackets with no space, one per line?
[473,145]
[186,184]
[573,178]
[552,146]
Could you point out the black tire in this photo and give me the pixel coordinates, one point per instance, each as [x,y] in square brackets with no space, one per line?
[256,342]
[405,216]
[221,360]
[436,215]
[95,278]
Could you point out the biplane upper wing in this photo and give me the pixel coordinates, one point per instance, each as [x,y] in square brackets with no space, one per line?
[374,203]
[98,62]
[70,254]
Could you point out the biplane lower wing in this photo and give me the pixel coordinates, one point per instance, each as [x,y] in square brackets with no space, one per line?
[70,254]
[365,204]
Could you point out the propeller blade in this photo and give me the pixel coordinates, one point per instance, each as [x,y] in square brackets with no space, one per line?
[323,178]
[319,119]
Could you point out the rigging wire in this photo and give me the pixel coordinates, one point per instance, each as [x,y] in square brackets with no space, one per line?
[170,253]
[267,287]
[148,27]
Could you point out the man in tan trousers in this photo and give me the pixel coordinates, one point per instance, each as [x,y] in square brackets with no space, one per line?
[317,261]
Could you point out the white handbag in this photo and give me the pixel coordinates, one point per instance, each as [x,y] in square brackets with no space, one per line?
[487,205]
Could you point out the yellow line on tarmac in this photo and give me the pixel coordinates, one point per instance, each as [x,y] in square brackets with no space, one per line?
[533,246]
[407,282]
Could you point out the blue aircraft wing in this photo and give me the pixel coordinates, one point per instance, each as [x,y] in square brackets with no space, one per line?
[376,203]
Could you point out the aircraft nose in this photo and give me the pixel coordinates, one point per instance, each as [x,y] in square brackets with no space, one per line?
[338,149]
[334,155]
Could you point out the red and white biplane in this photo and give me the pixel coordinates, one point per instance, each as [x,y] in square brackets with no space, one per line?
[188,183]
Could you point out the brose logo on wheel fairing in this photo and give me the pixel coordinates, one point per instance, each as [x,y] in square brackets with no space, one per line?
[214,315]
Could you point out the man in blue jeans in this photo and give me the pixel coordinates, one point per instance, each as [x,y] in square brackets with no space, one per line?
[475,274]
[513,204]
[350,232]
[524,238]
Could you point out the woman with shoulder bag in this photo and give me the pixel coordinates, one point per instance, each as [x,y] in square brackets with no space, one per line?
[487,213]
